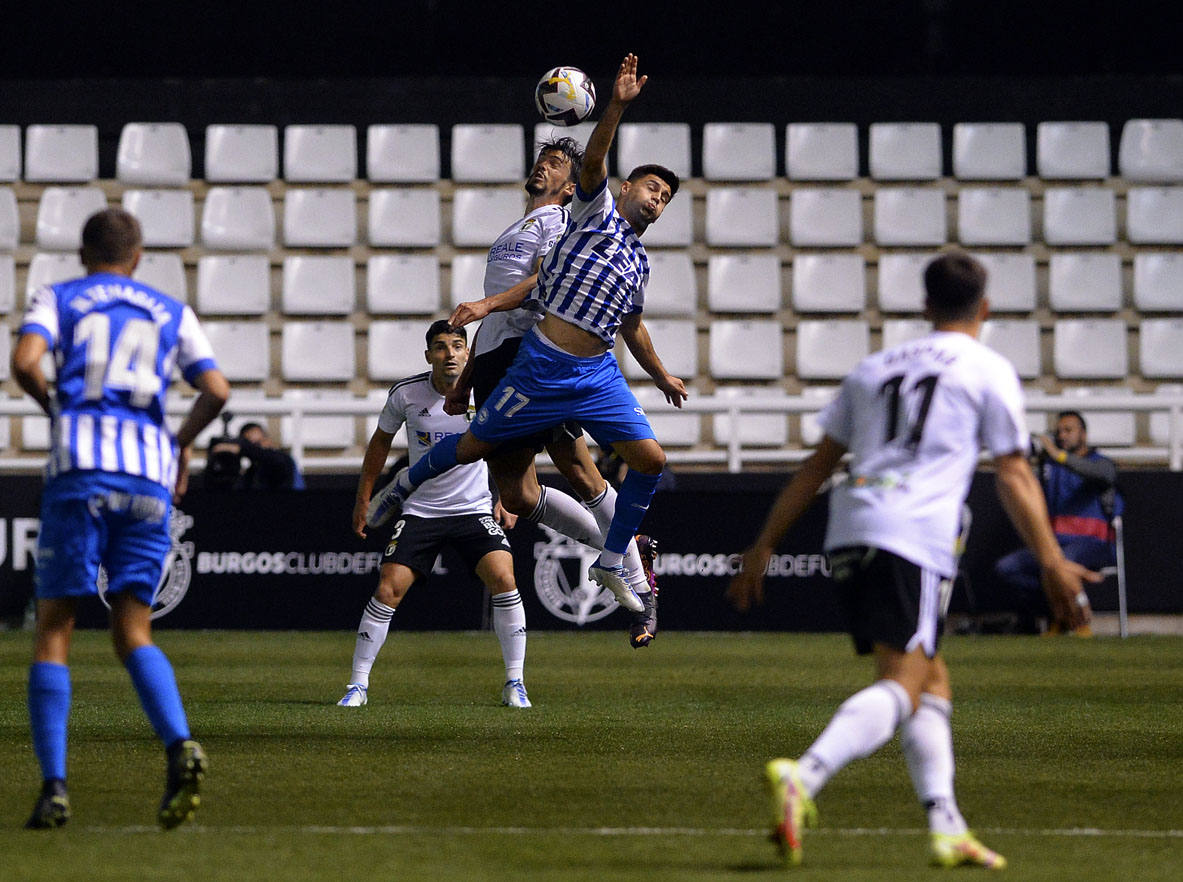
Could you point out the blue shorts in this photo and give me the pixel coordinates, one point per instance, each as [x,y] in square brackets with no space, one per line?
[546,386]
[91,518]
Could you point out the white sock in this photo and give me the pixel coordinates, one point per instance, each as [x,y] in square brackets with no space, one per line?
[927,740]
[371,634]
[864,723]
[603,507]
[509,623]
[564,514]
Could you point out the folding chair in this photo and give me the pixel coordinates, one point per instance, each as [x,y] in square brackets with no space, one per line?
[1118,571]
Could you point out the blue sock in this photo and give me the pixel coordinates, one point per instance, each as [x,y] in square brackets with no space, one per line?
[49,708]
[439,459]
[632,501]
[152,675]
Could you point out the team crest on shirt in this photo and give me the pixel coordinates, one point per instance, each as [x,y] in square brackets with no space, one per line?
[561,581]
[529,222]
[177,571]
[424,438]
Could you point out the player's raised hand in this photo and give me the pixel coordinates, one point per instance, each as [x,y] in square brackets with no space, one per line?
[473,310]
[1064,587]
[674,389]
[628,86]
[747,586]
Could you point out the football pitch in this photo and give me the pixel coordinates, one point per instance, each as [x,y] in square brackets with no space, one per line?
[631,764]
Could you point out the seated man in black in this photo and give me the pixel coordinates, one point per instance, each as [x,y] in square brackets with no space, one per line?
[269,468]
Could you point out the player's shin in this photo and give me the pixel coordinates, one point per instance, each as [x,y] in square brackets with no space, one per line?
[49,709]
[152,675]
[927,740]
[636,490]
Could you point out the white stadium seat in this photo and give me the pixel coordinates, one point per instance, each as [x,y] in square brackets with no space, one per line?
[318,285]
[1158,281]
[164,272]
[1010,280]
[48,268]
[1160,420]
[61,213]
[825,217]
[404,217]
[746,349]
[468,278]
[5,367]
[480,214]
[233,284]
[989,151]
[738,151]
[755,429]
[61,154]
[1018,341]
[491,154]
[319,154]
[1151,150]
[901,281]
[742,217]
[242,349]
[811,430]
[319,217]
[10,221]
[905,151]
[10,153]
[743,283]
[1160,346]
[395,350]
[1086,349]
[665,144]
[910,216]
[1084,281]
[154,155]
[993,216]
[403,283]
[1079,216]
[318,351]
[238,218]
[829,283]
[7,285]
[674,427]
[897,331]
[1105,428]
[403,154]
[676,343]
[328,431]
[34,433]
[675,227]
[672,288]
[1154,215]
[829,350]
[165,216]
[1072,150]
[241,154]
[821,151]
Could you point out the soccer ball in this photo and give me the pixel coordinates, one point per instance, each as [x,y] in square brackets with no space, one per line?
[565,96]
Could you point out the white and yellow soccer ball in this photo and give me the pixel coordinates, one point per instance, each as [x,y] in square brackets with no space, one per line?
[565,96]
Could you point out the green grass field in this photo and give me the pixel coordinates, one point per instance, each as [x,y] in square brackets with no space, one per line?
[632,765]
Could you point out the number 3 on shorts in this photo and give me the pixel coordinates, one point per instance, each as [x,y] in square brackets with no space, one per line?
[519,401]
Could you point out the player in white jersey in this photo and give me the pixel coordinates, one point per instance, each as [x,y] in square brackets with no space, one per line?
[913,419]
[591,285]
[114,469]
[455,509]
[510,275]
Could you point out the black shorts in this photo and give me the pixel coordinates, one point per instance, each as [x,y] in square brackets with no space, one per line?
[488,369]
[888,599]
[415,542]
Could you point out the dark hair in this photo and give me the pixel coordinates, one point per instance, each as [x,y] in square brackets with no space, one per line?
[441,326]
[1073,413]
[110,236]
[569,148]
[660,171]
[954,284]
[246,427]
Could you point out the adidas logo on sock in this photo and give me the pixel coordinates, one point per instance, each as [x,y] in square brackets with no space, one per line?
[521,630]
[364,635]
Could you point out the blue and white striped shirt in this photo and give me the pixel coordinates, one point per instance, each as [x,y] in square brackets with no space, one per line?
[115,343]
[596,273]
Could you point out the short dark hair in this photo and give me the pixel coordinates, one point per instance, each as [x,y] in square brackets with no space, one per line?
[954,284]
[110,236]
[441,326]
[1073,413]
[660,171]
[246,427]
[569,148]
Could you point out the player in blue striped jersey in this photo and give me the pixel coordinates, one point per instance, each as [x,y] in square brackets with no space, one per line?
[113,470]
[591,285]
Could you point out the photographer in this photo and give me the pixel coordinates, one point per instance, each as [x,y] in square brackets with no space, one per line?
[1080,486]
[268,467]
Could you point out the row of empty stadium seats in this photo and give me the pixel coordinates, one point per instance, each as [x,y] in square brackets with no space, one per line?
[244,218]
[411,284]
[159,154]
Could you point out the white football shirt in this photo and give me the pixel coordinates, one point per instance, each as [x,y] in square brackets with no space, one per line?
[462,490]
[914,418]
[512,258]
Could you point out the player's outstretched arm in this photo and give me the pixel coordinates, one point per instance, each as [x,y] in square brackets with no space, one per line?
[747,586]
[371,466]
[26,368]
[213,393]
[626,87]
[640,344]
[511,298]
